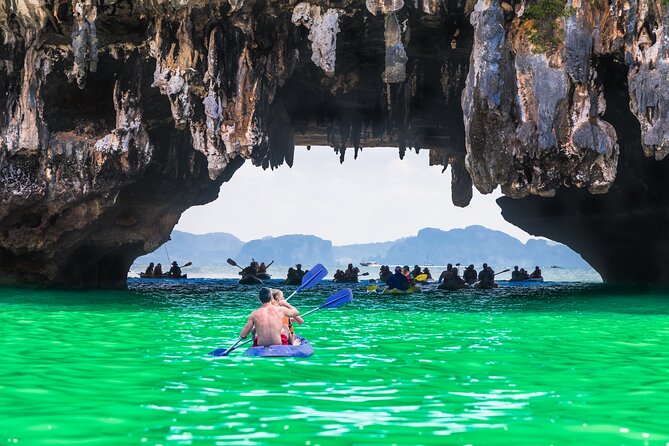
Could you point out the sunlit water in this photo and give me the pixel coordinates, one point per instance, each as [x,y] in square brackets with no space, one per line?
[553,363]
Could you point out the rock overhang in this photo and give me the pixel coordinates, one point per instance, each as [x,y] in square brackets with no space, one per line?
[116,107]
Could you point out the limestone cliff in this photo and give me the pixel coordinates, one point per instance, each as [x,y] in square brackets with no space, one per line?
[117,115]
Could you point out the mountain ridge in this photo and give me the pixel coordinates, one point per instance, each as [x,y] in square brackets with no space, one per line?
[474,244]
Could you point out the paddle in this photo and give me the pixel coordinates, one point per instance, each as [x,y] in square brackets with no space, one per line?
[311,278]
[186,264]
[508,269]
[233,263]
[336,300]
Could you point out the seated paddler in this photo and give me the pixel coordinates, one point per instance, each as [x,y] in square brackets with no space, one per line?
[287,327]
[268,321]
[398,280]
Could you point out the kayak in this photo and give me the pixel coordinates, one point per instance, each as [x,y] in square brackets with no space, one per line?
[261,276]
[164,276]
[304,350]
[531,279]
[445,287]
[411,290]
[250,280]
[479,286]
[345,281]
[520,282]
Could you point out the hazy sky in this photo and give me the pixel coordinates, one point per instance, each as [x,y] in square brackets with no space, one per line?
[375,198]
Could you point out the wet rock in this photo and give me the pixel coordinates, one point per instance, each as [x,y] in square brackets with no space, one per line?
[323,29]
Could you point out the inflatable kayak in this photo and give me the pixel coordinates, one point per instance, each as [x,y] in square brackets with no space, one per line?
[304,350]
[531,279]
[164,276]
[520,282]
[250,280]
[453,287]
[411,290]
[480,286]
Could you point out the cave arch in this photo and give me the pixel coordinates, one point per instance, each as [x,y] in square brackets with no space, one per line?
[120,115]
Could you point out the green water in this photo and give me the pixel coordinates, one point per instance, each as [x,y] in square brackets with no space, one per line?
[555,364]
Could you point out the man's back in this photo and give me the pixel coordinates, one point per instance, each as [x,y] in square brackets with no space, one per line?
[398,281]
[268,321]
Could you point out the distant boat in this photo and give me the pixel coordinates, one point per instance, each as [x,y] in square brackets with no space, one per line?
[370,263]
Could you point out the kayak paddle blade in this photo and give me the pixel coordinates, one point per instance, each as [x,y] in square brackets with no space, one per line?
[372,287]
[232,262]
[186,264]
[312,278]
[218,352]
[338,299]
[420,277]
[226,351]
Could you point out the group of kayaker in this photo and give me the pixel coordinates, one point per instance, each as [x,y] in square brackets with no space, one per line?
[349,275]
[294,276]
[520,275]
[157,271]
[255,268]
[272,323]
[451,280]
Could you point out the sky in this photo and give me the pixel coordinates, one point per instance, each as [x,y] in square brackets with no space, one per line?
[376,198]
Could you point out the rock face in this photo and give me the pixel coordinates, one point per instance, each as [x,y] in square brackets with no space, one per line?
[117,115]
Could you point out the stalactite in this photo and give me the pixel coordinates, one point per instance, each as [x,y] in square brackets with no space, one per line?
[84,39]
[396,57]
[323,29]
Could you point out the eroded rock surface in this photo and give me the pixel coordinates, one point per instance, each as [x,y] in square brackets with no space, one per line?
[116,116]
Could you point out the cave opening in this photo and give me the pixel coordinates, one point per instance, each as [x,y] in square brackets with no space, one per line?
[376,199]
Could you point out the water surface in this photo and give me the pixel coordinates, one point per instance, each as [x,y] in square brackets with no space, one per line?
[555,363]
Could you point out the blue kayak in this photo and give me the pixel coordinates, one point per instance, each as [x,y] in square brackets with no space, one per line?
[304,350]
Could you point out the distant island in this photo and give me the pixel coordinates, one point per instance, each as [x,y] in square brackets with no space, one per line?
[474,244]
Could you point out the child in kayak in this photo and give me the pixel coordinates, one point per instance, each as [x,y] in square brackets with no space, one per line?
[287,322]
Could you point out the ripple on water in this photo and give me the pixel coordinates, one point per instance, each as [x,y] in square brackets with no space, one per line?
[563,362]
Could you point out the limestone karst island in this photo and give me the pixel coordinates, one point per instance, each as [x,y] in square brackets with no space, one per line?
[259,222]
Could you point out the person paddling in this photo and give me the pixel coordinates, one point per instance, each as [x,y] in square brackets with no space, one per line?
[262,268]
[470,275]
[536,274]
[287,322]
[149,270]
[175,271]
[268,321]
[398,280]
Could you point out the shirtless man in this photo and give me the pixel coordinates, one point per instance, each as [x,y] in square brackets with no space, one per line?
[268,321]
[287,322]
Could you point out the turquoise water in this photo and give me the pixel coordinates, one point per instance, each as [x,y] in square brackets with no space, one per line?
[558,363]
